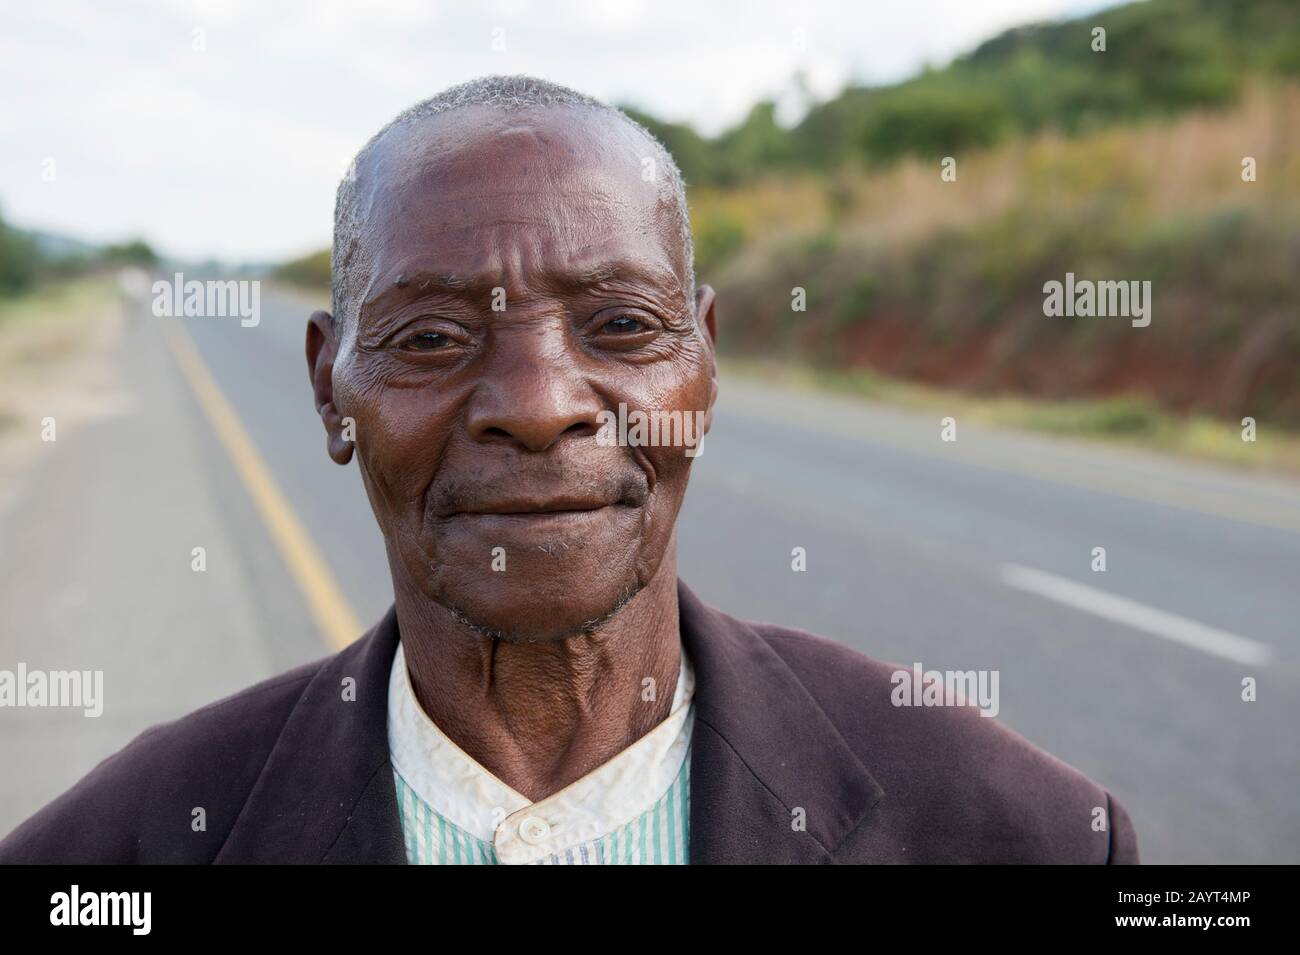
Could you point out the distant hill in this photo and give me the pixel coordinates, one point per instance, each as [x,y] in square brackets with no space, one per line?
[1161,57]
[54,246]
[31,256]
[310,271]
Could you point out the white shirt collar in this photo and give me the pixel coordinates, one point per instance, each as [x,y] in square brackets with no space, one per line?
[463,792]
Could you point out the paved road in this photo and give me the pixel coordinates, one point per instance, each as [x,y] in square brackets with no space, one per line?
[973,554]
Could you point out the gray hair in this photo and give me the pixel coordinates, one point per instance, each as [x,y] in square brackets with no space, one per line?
[349,263]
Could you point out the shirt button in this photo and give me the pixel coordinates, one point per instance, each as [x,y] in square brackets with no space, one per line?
[534,830]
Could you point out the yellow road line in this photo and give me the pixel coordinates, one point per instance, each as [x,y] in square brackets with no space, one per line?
[324,598]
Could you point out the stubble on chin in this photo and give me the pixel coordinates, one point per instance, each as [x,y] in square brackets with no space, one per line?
[538,634]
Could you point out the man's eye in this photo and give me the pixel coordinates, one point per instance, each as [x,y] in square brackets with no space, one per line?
[624,325]
[427,341]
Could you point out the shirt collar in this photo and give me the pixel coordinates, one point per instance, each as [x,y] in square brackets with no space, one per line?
[455,786]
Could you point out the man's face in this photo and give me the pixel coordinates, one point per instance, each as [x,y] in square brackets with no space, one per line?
[525,278]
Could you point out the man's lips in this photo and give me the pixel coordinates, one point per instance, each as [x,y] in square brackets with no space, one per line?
[532,506]
[517,496]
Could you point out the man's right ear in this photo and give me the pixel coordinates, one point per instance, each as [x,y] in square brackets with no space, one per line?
[322,345]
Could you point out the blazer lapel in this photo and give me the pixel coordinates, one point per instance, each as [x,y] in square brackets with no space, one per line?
[326,794]
[772,780]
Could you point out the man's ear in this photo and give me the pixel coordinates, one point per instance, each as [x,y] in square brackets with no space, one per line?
[705,298]
[322,345]
[706,317]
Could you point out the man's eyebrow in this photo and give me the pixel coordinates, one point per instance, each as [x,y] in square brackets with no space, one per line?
[406,285]
[606,272]
[435,281]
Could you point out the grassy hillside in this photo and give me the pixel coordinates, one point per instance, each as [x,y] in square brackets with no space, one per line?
[941,282]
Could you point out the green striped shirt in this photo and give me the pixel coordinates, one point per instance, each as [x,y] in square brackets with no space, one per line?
[659,836]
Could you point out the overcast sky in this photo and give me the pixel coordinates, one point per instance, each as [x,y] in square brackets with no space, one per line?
[229,142]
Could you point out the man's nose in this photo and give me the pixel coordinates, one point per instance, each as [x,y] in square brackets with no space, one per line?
[533,395]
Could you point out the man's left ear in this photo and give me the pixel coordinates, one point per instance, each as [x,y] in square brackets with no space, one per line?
[322,345]
[705,298]
[706,318]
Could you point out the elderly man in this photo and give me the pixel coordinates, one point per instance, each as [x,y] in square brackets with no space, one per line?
[512,268]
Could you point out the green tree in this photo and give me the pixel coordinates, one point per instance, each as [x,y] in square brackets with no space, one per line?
[20,260]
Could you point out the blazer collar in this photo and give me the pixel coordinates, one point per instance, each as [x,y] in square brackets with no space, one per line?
[772,780]
[326,794]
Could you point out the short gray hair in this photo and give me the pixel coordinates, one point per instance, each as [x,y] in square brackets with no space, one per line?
[349,263]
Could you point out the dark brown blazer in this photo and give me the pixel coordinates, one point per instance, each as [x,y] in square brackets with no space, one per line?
[790,728]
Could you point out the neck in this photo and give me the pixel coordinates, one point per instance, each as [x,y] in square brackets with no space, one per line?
[539,716]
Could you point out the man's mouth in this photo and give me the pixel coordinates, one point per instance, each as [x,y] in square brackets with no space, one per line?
[524,507]
[519,500]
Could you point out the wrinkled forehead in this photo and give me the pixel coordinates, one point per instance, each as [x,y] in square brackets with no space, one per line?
[519,193]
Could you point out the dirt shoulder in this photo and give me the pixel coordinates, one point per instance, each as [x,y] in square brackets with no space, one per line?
[1124,422]
[56,371]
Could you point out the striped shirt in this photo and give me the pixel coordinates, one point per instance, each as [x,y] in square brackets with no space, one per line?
[632,810]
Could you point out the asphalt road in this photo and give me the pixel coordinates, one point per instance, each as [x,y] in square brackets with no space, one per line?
[973,554]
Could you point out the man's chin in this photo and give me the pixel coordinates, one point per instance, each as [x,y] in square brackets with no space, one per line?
[528,619]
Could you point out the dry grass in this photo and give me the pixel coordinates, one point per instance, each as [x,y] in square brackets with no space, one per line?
[1157,169]
[55,346]
[941,283]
